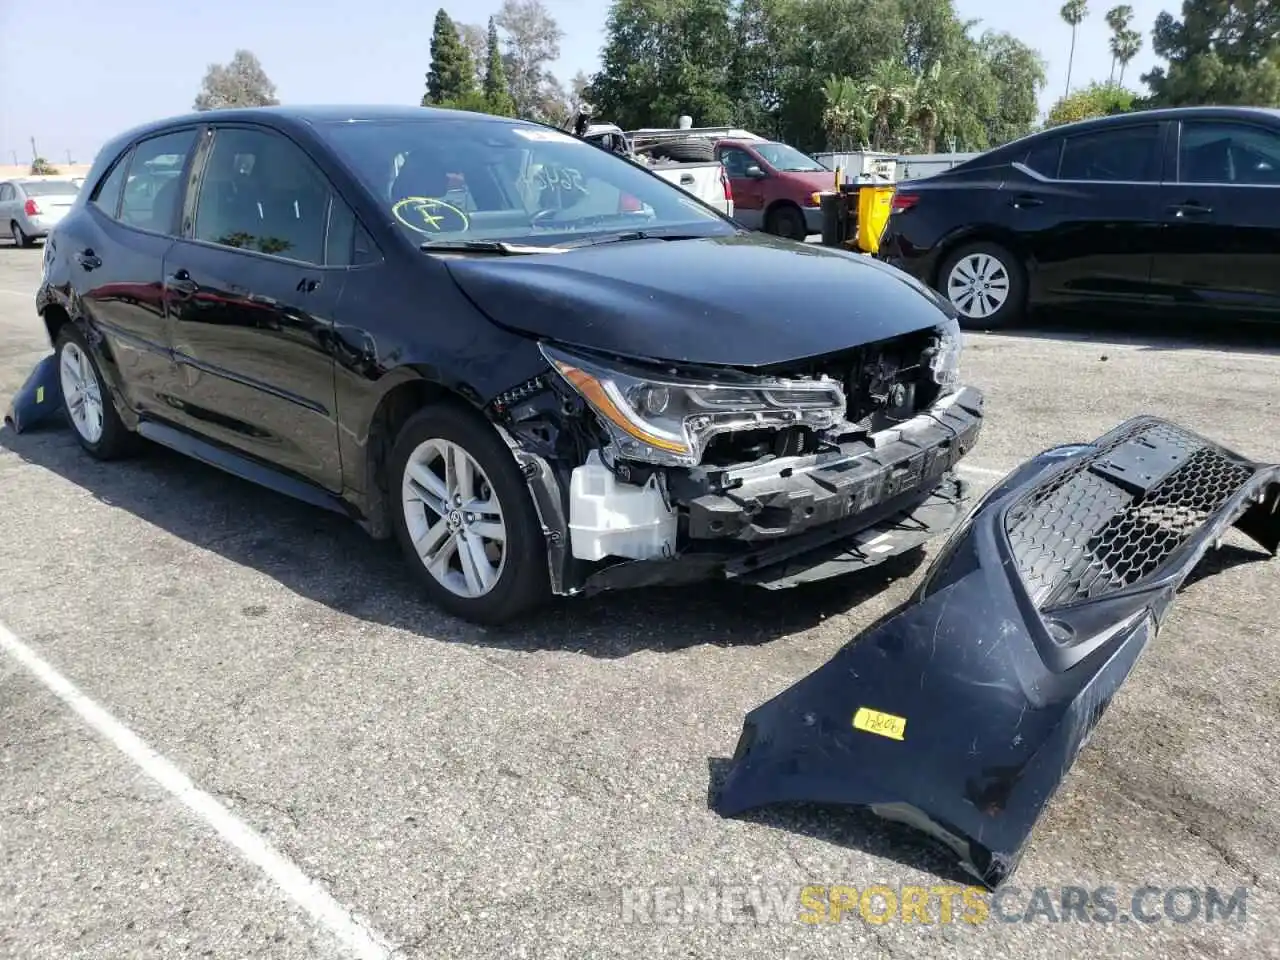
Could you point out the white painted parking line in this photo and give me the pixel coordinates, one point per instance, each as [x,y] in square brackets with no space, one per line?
[356,936]
[17,293]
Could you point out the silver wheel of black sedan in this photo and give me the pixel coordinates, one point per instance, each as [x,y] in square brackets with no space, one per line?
[454,518]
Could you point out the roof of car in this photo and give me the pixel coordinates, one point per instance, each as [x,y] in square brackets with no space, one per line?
[308,114]
[1117,119]
[1166,113]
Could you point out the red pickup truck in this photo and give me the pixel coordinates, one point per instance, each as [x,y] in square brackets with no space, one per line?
[774,186]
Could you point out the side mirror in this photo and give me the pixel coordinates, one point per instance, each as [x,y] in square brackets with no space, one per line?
[754,172]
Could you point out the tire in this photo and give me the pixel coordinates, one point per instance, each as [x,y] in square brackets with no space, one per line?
[87,402]
[786,221]
[692,150]
[20,239]
[518,580]
[994,265]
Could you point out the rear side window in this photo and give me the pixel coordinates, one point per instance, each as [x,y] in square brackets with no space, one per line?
[7,192]
[153,187]
[1043,158]
[106,196]
[1128,154]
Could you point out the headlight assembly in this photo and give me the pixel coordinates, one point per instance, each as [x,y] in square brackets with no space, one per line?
[667,419]
[945,361]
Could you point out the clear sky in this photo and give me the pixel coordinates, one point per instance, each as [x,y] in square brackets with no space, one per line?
[76,72]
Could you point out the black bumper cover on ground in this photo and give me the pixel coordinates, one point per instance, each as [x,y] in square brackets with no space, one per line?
[39,399]
[1003,661]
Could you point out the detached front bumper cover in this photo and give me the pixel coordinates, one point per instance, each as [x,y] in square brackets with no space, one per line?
[39,399]
[962,712]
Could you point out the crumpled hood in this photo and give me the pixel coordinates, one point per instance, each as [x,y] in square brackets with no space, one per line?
[747,300]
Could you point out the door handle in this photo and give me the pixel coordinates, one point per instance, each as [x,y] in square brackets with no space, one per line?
[686,179]
[88,259]
[180,282]
[1190,209]
[308,285]
[1025,200]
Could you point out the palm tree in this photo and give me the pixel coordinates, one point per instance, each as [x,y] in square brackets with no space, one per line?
[1124,47]
[1073,13]
[930,107]
[1118,19]
[886,96]
[845,118]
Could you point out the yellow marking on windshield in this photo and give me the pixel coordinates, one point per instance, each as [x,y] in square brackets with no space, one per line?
[430,213]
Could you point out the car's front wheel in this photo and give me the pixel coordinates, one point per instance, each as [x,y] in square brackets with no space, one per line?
[986,284]
[87,402]
[465,519]
[787,221]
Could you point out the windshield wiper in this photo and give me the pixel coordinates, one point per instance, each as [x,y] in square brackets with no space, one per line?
[635,235]
[500,247]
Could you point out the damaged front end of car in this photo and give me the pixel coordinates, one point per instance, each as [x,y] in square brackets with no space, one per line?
[650,473]
[961,713]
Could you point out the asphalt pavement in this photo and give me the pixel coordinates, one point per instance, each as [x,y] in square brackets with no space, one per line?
[230,726]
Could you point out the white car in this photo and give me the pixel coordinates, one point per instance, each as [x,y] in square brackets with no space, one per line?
[30,206]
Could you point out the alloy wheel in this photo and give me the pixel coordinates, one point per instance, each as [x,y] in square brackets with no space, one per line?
[81,392]
[454,518]
[978,285]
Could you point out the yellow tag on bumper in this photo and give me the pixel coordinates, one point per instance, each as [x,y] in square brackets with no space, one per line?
[882,724]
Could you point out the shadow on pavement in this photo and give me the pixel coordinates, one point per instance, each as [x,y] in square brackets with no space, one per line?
[853,828]
[330,560]
[1148,335]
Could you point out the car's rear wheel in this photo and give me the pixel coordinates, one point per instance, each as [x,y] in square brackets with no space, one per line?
[87,402]
[786,221]
[466,521]
[19,236]
[986,284]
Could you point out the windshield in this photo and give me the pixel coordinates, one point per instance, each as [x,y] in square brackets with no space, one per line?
[787,159]
[465,179]
[49,188]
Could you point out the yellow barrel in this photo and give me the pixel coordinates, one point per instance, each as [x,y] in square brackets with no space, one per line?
[874,203]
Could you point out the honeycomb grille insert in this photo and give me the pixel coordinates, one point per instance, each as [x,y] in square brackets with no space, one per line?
[1115,518]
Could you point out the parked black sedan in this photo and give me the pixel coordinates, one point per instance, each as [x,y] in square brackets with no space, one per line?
[541,367]
[1175,212]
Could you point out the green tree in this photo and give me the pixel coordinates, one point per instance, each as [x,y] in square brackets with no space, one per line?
[532,42]
[40,167]
[754,82]
[887,97]
[240,83]
[1073,13]
[1019,75]
[663,59]
[1221,51]
[476,39]
[789,69]
[1118,20]
[845,120]
[453,72]
[1095,100]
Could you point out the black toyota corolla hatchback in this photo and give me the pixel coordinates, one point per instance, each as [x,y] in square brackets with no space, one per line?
[542,368]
